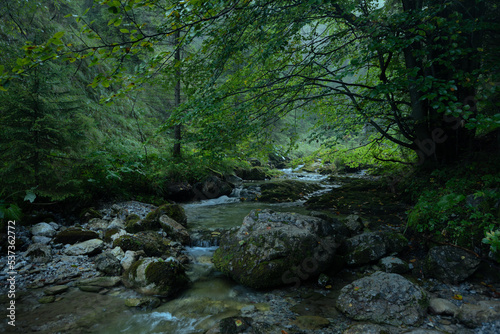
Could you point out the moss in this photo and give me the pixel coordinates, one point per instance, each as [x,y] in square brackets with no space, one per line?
[133,269]
[286,191]
[170,276]
[89,213]
[150,242]
[110,233]
[73,235]
[174,211]
[132,224]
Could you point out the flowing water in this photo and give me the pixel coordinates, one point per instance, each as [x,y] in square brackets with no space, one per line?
[211,296]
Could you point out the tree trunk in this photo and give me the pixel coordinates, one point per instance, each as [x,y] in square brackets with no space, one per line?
[177,97]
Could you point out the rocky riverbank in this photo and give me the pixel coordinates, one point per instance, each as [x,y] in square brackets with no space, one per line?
[313,273]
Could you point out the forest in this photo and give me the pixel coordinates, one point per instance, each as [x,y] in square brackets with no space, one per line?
[121,99]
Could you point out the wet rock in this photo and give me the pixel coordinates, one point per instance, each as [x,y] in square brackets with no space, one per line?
[90,288]
[103,281]
[286,190]
[89,247]
[43,230]
[311,322]
[39,253]
[174,230]
[450,264]
[152,220]
[108,264]
[148,241]
[47,299]
[74,235]
[272,249]
[55,290]
[354,223]
[144,302]
[212,187]
[442,306]
[154,276]
[384,298]
[371,246]
[474,315]
[392,264]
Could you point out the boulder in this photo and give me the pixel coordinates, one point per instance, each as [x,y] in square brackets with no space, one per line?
[212,187]
[89,247]
[255,173]
[151,222]
[43,230]
[108,264]
[272,249]
[354,223]
[150,242]
[154,276]
[450,264]
[392,264]
[384,298]
[74,235]
[286,190]
[180,191]
[39,253]
[96,284]
[174,230]
[371,246]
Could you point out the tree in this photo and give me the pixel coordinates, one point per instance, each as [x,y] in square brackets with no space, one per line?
[41,123]
[411,69]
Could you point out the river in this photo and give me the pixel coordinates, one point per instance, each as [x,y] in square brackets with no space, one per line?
[211,296]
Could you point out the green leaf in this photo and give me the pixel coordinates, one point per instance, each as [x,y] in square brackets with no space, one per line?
[124,31]
[30,196]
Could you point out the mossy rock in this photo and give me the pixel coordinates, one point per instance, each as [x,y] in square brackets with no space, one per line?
[133,224]
[154,276]
[109,233]
[74,235]
[286,191]
[148,241]
[89,213]
[255,173]
[152,220]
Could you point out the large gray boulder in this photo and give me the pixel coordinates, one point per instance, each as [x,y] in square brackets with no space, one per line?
[371,246]
[450,264]
[384,298]
[272,249]
[154,276]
